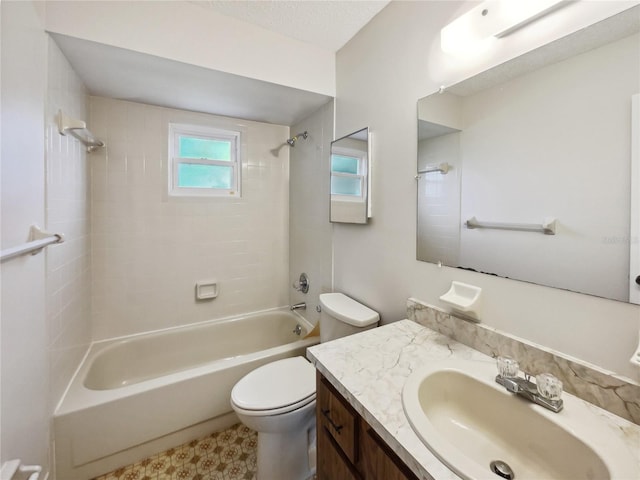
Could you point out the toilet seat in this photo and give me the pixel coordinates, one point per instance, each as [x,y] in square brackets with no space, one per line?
[278,387]
[274,411]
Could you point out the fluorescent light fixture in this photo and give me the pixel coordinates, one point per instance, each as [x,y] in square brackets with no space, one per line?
[482,25]
[514,14]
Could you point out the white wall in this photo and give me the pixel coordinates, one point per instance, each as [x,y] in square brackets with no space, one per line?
[309,228]
[24,403]
[149,250]
[381,73]
[186,32]
[68,282]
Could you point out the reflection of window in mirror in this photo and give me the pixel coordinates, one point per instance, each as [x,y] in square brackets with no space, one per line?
[350,157]
[348,173]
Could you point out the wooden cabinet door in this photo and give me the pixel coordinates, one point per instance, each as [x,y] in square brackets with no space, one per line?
[331,464]
[337,417]
[348,449]
[377,461]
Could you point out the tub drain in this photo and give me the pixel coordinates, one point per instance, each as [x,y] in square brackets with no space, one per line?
[501,469]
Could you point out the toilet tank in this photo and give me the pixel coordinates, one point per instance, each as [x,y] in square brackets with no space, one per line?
[341,316]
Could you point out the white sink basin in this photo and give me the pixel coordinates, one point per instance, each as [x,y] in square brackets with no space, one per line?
[467,421]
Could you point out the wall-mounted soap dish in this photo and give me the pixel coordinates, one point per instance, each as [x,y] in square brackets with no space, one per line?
[463,298]
[206,290]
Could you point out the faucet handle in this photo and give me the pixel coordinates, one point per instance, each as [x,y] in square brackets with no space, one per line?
[302,285]
[548,386]
[507,367]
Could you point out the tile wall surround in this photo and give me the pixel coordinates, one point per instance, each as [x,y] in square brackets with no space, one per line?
[309,227]
[618,395]
[68,265]
[149,249]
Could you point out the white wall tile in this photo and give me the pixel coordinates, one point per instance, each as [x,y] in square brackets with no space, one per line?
[68,275]
[309,227]
[151,249]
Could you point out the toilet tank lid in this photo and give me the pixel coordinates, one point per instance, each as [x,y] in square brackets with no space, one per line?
[346,309]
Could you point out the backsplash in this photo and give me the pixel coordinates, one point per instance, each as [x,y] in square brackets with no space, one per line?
[604,389]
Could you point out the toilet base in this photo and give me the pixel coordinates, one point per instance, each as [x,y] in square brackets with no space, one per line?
[286,456]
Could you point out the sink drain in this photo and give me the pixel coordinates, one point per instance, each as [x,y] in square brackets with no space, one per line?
[501,469]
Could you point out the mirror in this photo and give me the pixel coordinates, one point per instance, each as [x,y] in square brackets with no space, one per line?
[350,182]
[524,170]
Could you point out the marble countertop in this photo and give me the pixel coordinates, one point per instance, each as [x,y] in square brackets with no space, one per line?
[370,369]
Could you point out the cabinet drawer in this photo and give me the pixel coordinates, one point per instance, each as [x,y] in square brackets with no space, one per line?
[336,417]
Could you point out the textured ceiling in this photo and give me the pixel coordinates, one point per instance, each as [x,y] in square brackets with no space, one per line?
[327,24]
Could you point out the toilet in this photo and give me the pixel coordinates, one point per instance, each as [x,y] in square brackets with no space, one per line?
[278,400]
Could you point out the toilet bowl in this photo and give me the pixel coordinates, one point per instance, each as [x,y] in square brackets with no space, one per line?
[278,400]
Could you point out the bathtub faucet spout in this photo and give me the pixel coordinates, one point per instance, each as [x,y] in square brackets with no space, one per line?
[301,305]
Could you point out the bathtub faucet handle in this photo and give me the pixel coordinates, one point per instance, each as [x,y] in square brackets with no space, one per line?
[302,285]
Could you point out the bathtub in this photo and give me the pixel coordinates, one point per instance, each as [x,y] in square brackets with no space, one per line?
[137,395]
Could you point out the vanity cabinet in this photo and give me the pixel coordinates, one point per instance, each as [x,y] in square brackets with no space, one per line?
[348,448]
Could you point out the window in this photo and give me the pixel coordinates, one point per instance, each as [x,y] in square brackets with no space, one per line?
[203,161]
[348,174]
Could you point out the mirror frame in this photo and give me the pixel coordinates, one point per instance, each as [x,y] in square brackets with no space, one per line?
[353,217]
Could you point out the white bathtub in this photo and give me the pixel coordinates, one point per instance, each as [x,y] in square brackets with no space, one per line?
[137,395]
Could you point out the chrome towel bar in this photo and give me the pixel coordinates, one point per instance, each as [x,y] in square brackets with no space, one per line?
[38,239]
[548,227]
[443,168]
[15,470]
[78,129]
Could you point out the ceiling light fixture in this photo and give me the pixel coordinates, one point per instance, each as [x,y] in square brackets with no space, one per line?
[477,29]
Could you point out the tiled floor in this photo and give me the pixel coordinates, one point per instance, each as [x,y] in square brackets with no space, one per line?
[226,455]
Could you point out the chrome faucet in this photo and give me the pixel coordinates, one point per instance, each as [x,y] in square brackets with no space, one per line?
[297,306]
[545,392]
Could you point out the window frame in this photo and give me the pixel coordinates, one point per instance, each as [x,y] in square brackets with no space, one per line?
[362,174]
[204,132]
